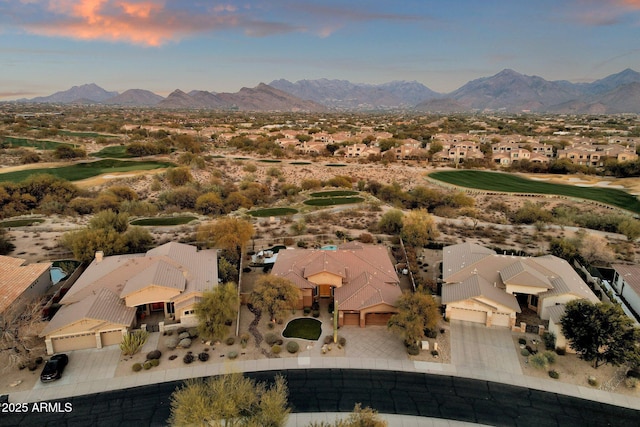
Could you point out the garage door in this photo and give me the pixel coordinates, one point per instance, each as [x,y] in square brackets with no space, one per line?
[351,319]
[501,319]
[469,315]
[111,337]
[74,342]
[377,319]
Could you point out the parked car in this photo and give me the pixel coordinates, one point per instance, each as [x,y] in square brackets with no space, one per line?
[54,367]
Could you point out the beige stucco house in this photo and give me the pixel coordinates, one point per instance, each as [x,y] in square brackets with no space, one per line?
[485,287]
[360,278]
[115,293]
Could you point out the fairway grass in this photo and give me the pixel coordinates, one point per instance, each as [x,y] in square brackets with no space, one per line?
[508,183]
[334,193]
[331,201]
[163,221]
[262,213]
[39,144]
[20,222]
[79,171]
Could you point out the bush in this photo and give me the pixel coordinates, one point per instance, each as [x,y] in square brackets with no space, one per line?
[183,335]
[592,381]
[173,357]
[147,365]
[550,356]
[203,357]
[185,343]
[554,374]
[316,313]
[232,354]
[133,342]
[306,311]
[342,341]
[155,354]
[154,362]
[276,349]
[631,382]
[271,338]
[270,325]
[230,341]
[188,358]
[434,353]
[328,339]
[137,367]
[538,361]
[561,351]
[193,332]
[549,339]
[413,350]
[524,352]
[522,341]
[292,347]
[431,333]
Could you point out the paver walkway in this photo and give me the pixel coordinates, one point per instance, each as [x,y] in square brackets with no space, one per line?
[487,349]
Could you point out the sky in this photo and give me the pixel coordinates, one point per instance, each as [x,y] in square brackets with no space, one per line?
[162,45]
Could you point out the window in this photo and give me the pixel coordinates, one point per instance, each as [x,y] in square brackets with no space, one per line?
[188,312]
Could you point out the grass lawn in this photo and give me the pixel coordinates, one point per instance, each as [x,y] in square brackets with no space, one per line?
[299,163]
[86,170]
[330,201]
[305,328]
[84,134]
[336,165]
[334,193]
[113,152]
[165,220]
[20,222]
[270,161]
[35,143]
[262,213]
[494,181]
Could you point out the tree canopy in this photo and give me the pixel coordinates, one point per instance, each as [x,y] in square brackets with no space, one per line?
[230,400]
[216,309]
[417,312]
[274,295]
[229,234]
[600,333]
[418,228]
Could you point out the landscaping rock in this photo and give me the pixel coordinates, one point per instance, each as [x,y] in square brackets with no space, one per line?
[185,343]
[184,335]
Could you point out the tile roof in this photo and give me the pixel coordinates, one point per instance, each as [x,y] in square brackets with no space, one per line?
[159,273]
[475,286]
[16,277]
[556,312]
[104,306]
[366,291]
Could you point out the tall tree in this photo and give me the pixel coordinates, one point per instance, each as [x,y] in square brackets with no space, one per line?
[230,400]
[417,312]
[600,333]
[418,228]
[229,234]
[216,309]
[391,222]
[274,295]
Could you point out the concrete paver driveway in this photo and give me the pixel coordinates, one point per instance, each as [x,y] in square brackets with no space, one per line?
[491,349]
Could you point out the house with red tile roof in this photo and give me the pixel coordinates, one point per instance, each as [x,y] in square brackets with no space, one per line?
[359,279]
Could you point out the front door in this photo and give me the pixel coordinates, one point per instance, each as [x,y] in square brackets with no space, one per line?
[156,306]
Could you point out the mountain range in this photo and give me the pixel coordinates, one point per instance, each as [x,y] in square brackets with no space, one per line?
[507,91]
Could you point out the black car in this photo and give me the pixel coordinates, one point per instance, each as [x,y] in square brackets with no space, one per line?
[54,367]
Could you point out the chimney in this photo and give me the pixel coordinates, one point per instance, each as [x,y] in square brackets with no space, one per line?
[99,256]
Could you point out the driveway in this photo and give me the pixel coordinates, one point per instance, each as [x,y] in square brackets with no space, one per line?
[87,366]
[473,345]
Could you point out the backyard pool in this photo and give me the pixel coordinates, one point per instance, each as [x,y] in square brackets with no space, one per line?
[57,274]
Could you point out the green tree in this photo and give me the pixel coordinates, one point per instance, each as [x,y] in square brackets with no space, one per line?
[274,295]
[391,222]
[600,333]
[630,228]
[217,308]
[137,240]
[227,272]
[417,312]
[230,400]
[110,220]
[418,228]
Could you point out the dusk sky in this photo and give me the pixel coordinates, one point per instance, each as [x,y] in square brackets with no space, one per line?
[161,45]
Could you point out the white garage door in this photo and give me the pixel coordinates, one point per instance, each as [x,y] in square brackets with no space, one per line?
[74,342]
[469,315]
[501,319]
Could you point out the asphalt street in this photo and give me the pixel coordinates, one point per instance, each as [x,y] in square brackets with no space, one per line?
[337,390]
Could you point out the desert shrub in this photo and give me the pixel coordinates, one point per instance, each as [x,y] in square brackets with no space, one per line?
[188,358]
[592,381]
[316,313]
[434,353]
[538,361]
[183,335]
[232,354]
[328,339]
[561,351]
[549,339]
[431,333]
[137,367]
[276,349]
[525,352]
[270,325]
[306,311]
[271,338]
[293,347]
[154,362]
[244,339]
[522,341]
[342,341]
[203,357]
[155,354]
[631,382]
[185,343]
[173,357]
[193,332]
[133,342]
[147,365]
[550,356]
[230,341]
[554,374]
[413,350]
